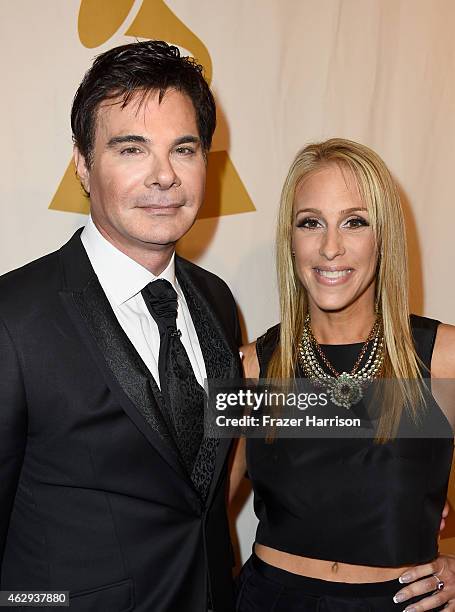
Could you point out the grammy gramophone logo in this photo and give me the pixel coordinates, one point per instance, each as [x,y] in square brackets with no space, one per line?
[98,21]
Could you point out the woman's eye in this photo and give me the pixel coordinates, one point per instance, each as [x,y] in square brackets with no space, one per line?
[356,222]
[309,223]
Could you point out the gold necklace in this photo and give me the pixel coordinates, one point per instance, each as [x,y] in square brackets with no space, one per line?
[345,388]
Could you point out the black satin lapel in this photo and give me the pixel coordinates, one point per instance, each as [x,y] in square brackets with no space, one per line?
[126,373]
[220,361]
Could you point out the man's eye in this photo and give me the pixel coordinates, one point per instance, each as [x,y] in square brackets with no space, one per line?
[130,151]
[185,150]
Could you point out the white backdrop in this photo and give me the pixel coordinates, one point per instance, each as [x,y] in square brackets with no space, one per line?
[285,73]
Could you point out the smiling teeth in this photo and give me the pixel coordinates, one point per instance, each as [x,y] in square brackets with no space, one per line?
[334,273]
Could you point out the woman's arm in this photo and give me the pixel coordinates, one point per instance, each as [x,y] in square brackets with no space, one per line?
[238,468]
[420,579]
[443,359]
[443,371]
[250,361]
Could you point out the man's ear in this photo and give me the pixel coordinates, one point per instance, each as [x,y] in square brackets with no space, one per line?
[82,170]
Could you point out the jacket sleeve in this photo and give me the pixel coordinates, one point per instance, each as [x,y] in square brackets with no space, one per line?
[13,428]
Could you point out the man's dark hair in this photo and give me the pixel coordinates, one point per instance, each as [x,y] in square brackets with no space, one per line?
[142,66]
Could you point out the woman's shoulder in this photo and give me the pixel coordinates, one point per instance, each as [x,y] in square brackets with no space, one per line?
[270,338]
[443,360]
[420,323]
[435,342]
[253,353]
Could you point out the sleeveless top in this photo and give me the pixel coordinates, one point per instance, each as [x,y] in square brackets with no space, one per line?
[352,500]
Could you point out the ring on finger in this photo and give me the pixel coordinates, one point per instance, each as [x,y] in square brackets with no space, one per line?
[440,583]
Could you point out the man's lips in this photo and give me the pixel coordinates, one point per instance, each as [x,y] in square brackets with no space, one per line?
[336,275]
[161,208]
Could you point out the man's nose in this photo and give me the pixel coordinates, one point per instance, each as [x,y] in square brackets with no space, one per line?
[162,173]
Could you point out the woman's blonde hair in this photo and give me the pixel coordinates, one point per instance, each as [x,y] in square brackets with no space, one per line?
[380,195]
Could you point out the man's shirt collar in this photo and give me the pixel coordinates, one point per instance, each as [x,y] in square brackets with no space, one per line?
[120,276]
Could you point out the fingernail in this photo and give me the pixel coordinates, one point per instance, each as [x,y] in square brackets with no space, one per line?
[399,597]
[405,578]
[410,610]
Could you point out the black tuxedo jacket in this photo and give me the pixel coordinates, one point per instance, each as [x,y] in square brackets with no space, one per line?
[93,495]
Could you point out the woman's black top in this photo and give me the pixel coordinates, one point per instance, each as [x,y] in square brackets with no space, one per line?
[353,500]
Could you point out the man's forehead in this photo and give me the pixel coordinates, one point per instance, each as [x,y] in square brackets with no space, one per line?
[137,107]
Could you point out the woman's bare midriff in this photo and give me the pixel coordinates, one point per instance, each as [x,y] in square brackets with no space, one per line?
[326,570]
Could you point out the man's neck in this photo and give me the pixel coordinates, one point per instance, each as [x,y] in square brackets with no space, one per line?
[154,258]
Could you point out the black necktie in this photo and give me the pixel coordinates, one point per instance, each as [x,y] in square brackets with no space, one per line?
[184,396]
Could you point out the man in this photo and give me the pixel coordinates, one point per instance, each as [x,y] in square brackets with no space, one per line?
[108,487]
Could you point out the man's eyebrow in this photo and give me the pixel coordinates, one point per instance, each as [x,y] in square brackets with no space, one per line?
[115,140]
[187,138]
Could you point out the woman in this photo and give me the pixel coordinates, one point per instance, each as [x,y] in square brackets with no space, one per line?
[341,520]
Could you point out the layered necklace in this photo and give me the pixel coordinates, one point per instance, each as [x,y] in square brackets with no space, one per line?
[344,388]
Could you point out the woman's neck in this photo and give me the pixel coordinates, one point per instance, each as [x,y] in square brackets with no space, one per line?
[342,327]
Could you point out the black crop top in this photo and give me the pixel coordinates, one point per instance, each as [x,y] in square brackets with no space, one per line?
[352,500]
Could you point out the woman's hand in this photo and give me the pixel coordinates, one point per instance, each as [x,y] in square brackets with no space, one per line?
[424,579]
[445,514]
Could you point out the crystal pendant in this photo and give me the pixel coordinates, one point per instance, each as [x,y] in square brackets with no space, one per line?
[345,390]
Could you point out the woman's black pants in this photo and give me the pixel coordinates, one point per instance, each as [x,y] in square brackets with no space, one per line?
[264,588]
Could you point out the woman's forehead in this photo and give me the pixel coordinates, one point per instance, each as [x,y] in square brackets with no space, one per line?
[330,186]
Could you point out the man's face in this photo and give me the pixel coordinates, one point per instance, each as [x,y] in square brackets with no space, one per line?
[147,177]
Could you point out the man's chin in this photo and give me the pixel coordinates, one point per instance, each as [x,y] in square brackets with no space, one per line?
[157,242]
[159,233]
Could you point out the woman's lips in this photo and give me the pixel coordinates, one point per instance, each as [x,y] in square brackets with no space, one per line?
[331,277]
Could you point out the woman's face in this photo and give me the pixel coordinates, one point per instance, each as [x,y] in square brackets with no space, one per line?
[333,242]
